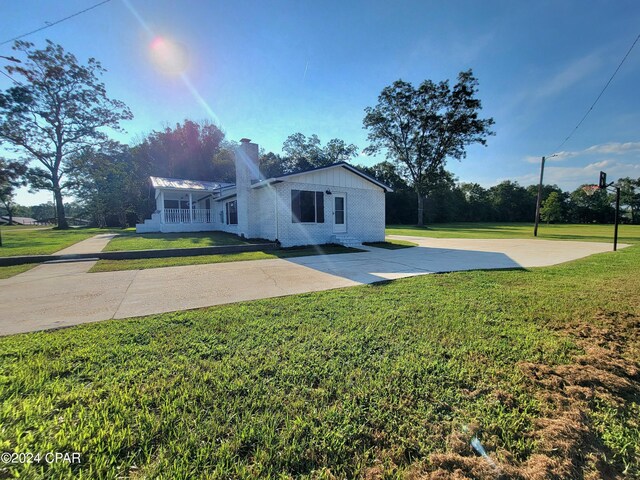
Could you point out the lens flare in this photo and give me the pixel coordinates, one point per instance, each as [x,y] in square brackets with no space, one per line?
[168,55]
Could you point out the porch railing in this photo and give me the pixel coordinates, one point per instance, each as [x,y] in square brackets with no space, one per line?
[181,215]
[202,215]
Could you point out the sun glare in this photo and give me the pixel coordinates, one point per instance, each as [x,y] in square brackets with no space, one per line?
[168,55]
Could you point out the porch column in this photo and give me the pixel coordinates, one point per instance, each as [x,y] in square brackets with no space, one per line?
[190,208]
[162,218]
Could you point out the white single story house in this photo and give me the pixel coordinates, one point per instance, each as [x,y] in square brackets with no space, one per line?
[333,204]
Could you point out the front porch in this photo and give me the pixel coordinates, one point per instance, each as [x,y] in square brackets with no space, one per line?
[178,207]
[180,211]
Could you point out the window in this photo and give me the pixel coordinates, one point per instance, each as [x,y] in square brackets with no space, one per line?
[307,206]
[232,213]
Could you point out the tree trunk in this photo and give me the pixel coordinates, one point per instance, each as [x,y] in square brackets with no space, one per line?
[62,219]
[420,209]
[10,212]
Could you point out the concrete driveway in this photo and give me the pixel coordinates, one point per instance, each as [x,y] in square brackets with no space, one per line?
[63,294]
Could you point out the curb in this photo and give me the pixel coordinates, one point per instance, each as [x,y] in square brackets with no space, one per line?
[133,254]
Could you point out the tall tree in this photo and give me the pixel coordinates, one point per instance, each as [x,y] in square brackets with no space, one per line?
[553,208]
[478,203]
[11,176]
[337,150]
[420,128]
[386,173]
[511,202]
[594,208]
[271,164]
[630,197]
[303,153]
[111,185]
[59,108]
[186,151]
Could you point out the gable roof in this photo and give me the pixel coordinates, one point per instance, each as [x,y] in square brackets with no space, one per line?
[344,165]
[180,184]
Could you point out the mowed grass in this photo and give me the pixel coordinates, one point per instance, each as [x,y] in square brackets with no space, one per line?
[149,241]
[42,241]
[586,233]
[366,381]
[11,270]
[144,263]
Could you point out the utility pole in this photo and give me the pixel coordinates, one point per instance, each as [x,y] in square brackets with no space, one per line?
[617,220]
[539,199]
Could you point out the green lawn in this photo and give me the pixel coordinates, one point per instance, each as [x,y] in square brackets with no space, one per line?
[144,263]
[378,381]
[587,233]
[149,241]
[42,241]
[10,271]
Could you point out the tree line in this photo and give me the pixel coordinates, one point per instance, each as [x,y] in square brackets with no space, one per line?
[55,118]
[507,201]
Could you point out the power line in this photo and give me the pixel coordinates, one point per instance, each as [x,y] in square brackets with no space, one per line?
[10,78]
[600,95]
[54,23]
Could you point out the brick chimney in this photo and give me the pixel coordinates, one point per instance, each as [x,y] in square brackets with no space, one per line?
[247,172]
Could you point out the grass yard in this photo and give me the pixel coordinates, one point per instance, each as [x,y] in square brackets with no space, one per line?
[42,241]
[144,263]
[587,233]
[10,271]
[149,241]
[380,381]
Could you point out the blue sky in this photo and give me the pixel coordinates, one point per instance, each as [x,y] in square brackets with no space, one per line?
[265,70]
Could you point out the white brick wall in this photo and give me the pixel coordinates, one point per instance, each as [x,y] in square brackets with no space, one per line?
[364,212]
[262,215]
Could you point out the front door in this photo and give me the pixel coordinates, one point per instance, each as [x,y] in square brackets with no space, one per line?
[339,213]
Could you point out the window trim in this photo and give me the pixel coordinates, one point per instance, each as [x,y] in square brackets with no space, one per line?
[318,207]
[227,208]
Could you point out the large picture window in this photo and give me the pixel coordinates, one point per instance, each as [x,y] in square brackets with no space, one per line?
[232,213]
[307,206]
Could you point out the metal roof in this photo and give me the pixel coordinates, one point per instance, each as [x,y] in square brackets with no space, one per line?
[180,184]
[19,220]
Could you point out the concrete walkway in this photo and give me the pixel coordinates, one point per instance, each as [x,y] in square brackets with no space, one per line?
[90,245]
[56,295]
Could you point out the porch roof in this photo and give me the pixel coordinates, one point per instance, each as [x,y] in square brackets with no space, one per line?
[193,185]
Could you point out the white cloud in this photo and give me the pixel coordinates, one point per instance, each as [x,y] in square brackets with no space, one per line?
[612,148]
[615,148]
[570,75]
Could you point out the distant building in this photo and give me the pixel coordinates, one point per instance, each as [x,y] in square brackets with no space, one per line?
[4,220]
